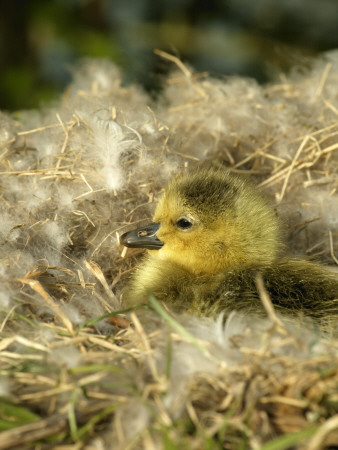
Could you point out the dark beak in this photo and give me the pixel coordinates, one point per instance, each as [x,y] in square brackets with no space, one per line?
[144,237]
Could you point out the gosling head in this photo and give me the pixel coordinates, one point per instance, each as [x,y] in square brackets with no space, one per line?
[209,221]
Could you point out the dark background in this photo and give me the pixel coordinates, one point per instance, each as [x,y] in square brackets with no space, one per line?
[41,39]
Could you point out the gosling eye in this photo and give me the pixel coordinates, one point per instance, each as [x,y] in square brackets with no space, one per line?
[184,224]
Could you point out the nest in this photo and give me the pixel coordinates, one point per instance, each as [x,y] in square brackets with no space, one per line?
[79,369]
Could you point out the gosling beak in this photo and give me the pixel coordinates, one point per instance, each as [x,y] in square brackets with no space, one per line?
[144,237]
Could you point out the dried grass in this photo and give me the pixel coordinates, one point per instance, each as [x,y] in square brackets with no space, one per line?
[99,382]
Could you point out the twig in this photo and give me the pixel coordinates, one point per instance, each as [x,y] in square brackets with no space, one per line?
[322,81]
[333,256]
[318,439]
[175,60]
[286,180]
[37,287]
[97,272]
[264,296]
[145,339]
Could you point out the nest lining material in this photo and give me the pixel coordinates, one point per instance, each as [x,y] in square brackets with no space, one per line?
[74,175]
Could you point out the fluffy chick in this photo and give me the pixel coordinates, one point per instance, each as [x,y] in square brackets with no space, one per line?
[213,233]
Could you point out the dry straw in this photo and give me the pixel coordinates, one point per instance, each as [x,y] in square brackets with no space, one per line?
[76,369]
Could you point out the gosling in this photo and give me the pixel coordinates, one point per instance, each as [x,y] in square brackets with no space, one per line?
[213,234]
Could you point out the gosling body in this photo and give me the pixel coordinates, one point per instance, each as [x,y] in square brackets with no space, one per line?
[212,235]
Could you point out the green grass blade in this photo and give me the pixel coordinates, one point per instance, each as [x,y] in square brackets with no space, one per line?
[289,440]
[175,325]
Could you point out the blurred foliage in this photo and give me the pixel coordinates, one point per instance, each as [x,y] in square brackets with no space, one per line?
[41,40]
[12,415]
